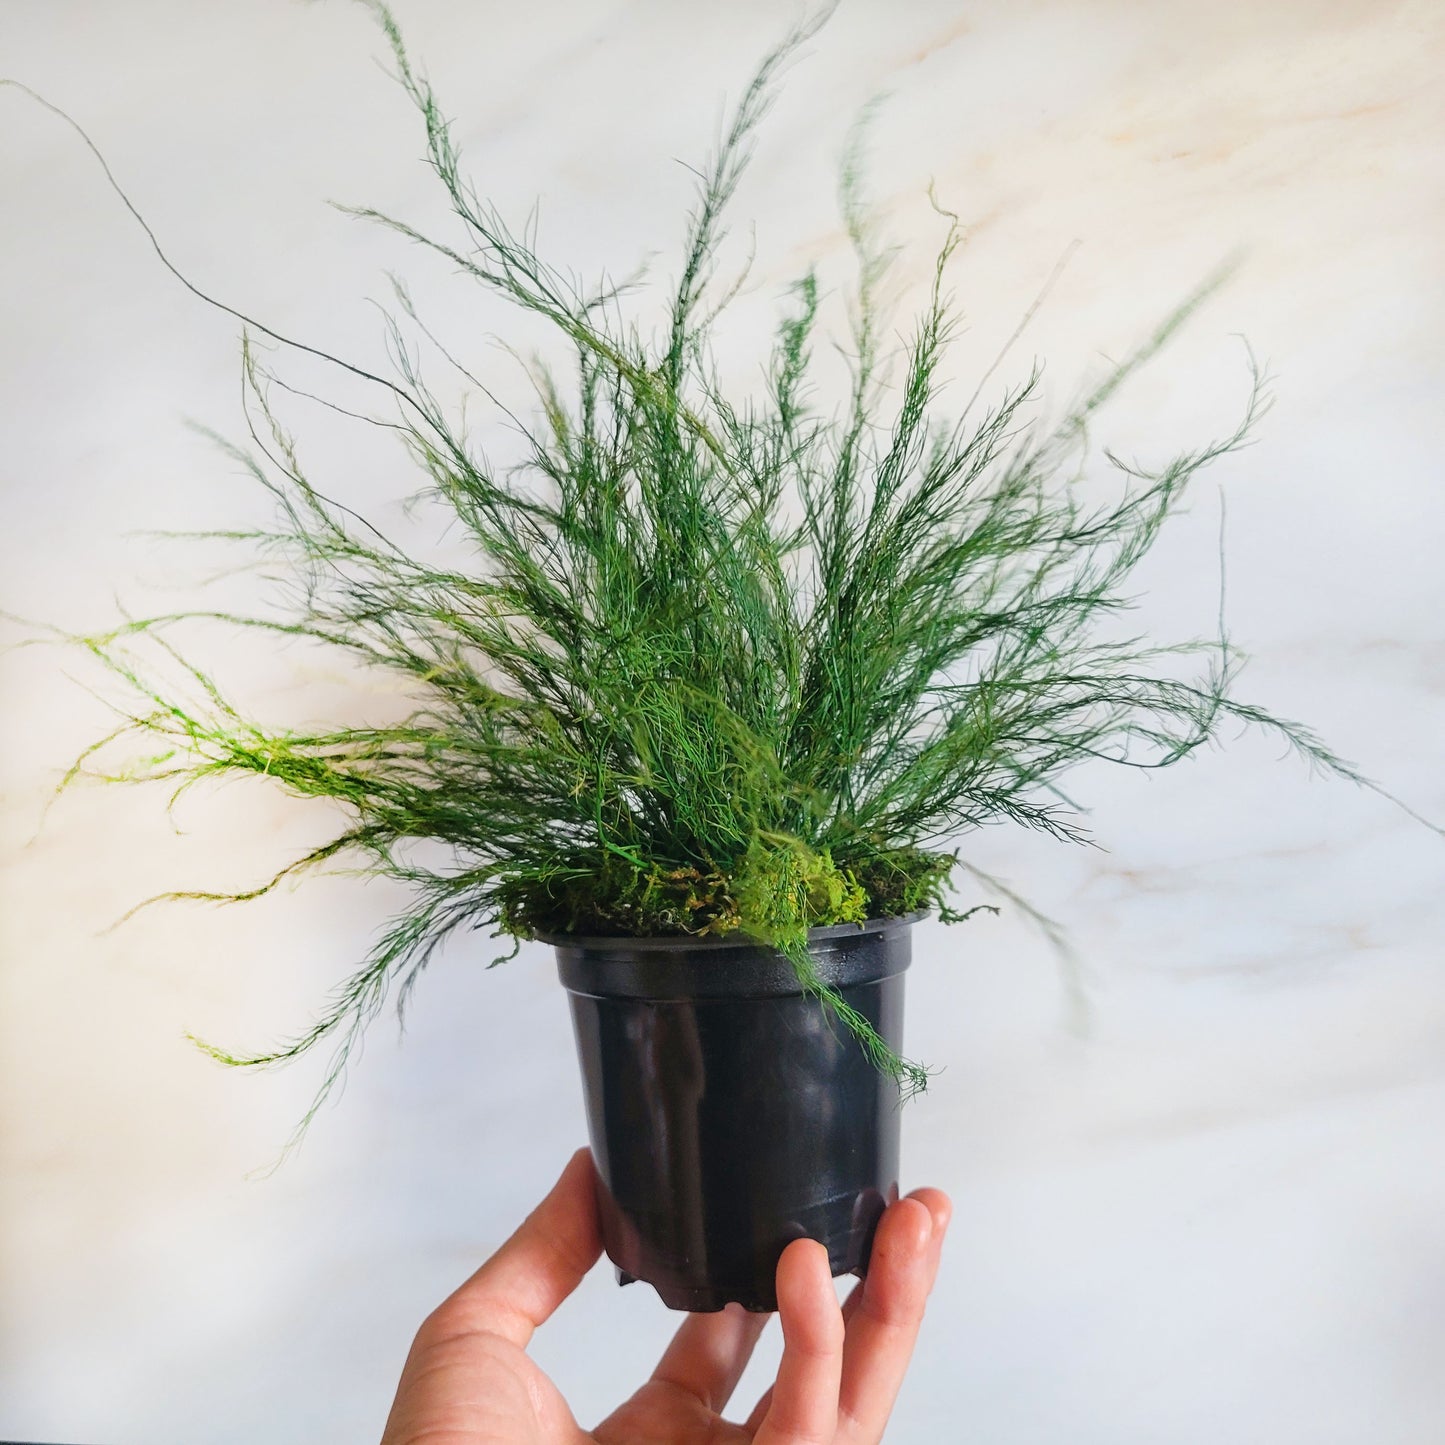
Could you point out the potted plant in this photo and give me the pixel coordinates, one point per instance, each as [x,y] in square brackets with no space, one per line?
[721,682]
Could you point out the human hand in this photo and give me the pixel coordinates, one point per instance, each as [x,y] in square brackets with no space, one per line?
[469,1381]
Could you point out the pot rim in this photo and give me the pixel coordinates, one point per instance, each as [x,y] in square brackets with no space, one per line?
[691,942]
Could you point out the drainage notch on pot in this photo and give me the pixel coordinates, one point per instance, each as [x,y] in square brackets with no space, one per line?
[728,1112]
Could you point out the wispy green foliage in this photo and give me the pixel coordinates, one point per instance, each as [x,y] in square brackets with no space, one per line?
[717,663]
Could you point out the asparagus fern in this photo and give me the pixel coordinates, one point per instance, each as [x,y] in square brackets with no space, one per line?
[716,663]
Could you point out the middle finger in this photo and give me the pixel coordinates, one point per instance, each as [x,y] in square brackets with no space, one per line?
[709,1353]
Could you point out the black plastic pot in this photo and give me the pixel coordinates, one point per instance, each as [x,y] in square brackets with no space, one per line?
[728,1113]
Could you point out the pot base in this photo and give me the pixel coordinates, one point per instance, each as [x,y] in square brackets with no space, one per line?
[759,1295]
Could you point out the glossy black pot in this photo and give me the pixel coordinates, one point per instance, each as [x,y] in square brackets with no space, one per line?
[728,1113]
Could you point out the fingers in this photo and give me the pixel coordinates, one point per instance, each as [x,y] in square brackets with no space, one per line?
[803,1409]
[888,1311]
[879,1340]
[536,1269]
[709,1353]
[940,1206]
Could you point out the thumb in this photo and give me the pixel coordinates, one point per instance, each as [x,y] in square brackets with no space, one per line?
[538,1267]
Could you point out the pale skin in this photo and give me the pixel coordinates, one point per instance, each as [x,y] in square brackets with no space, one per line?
[469,1380]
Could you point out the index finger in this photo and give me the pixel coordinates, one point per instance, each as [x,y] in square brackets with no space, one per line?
[884,1323]
[536,1269]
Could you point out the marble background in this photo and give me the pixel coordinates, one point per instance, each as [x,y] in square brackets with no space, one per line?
[1209,1209]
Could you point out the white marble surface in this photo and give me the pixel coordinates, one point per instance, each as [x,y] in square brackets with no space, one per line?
[1214,1215]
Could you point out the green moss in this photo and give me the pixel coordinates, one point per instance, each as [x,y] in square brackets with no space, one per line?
[900,881]
[619,899]
[777,887]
